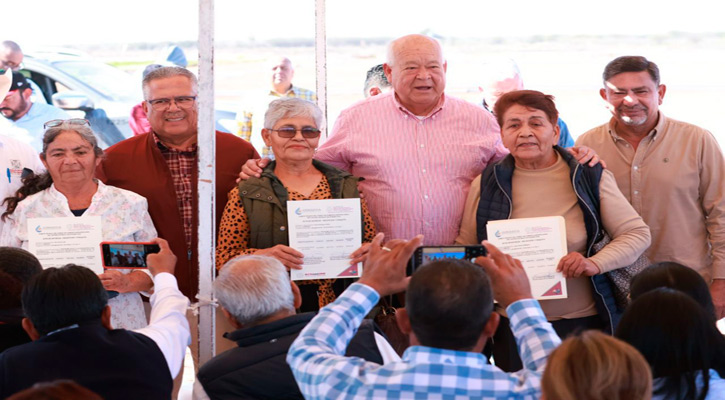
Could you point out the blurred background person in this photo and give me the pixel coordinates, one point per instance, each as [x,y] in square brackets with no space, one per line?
[25,115]
[500,76]
[376,82]
[69,188]
[595,366]
[255,217]
[681,343]
[251,118]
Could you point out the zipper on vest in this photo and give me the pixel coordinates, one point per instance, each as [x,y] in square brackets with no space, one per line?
[596,233]
[511,203]
[188,254]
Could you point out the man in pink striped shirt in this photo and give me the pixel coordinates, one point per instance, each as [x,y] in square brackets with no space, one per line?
[417,148]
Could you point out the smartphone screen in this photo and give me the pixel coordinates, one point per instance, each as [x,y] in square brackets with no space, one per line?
[127,255]
[442,253]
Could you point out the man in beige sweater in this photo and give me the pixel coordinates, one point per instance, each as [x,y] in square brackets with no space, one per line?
[670,171]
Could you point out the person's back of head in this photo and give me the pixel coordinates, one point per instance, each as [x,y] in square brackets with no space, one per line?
[678,339]
[60,297]
[375,81]
[19,263]
[254,288]
[674,276]
[595,366]
[449,302]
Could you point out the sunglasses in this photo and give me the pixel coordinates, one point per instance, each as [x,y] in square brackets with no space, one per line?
[288,132]
[72,121]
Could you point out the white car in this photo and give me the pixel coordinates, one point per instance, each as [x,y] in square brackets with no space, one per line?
[90,89]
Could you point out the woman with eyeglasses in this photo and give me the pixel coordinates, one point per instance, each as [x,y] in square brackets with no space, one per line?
[69,188]
[255,217]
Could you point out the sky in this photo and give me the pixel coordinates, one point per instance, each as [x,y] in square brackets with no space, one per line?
[82,22]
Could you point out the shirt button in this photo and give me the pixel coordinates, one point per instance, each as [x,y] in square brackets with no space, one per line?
[422,145]
[282,228]
[636,192]
[425,196]
[244,192]
[424,170]
[257,195]
[636,167]
[269,198]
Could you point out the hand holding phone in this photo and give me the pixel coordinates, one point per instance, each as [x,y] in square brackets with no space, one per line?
[426,254]
[127,255]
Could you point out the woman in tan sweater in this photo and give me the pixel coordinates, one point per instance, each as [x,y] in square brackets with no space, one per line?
[540,179]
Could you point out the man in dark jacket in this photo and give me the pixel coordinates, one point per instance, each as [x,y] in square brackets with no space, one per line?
[68,319]
[259,300]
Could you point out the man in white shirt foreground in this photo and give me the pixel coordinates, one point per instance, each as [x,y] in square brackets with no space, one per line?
[68,318]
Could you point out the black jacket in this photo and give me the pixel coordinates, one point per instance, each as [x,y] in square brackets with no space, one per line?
[257,369]
[116,364]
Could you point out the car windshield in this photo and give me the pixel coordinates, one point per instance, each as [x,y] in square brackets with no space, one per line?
[110,81]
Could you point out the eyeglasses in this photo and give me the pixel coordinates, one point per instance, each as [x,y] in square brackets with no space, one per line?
[288,132]
[72,121]
[185,102]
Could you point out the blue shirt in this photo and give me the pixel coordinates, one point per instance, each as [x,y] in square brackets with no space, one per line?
[565,139]
[322,372]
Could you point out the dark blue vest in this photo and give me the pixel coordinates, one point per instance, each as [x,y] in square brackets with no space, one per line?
[496,202]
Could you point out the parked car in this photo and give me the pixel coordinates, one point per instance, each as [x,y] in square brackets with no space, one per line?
[90,89]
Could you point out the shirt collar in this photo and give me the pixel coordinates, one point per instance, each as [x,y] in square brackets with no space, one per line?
[433,355]
[436,110]
[165,148]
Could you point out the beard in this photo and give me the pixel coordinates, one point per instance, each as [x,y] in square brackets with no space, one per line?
[633,121]
[14,114]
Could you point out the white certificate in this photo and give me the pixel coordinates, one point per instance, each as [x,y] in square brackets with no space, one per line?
[326,232]
[539,243]
[66,240]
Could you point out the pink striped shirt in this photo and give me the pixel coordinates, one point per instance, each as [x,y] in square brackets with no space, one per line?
[417,170]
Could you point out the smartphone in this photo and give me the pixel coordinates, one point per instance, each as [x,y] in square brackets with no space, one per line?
[426,254]
[127,255]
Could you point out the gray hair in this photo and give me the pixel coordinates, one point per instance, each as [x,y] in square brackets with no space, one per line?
[252,288]
[375,78]
[289,107]
[84,131]
[168,72]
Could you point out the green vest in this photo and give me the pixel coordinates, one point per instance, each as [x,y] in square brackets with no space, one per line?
[265,202]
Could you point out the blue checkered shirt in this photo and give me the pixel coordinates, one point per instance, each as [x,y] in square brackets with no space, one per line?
[322,372]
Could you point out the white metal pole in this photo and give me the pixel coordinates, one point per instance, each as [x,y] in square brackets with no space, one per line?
[321,57]
[207,180]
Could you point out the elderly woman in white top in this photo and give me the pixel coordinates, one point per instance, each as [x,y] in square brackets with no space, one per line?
[68,188]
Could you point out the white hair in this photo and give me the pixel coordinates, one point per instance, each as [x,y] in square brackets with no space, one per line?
[252,288]
[288,107]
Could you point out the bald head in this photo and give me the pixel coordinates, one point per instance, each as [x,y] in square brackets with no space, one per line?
[11,56]
[282,74]
[417,71]
[411,42]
